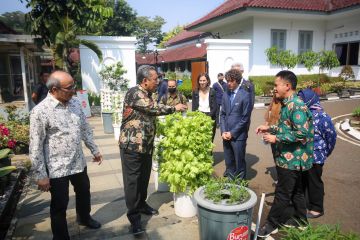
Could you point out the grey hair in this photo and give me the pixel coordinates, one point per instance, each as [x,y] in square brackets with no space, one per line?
[144,72]
[237,66]
[53,82]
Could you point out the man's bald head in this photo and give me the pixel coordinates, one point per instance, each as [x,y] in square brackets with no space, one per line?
[58,79]
[238,66]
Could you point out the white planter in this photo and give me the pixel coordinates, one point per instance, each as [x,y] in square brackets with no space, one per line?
[185,205]
[159,186]
[116,131]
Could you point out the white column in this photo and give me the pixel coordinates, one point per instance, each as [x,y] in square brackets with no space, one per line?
[222,53]
[23,75]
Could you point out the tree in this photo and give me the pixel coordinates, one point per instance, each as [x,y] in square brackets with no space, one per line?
[148,31]
[309,59]
[14,20]
[59,22]
[170,34]
[123,22]
[282,58]
[328,60]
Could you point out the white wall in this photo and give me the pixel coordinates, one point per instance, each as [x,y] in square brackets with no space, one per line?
[342,30]
[262,41]
[222,53]
[114,49]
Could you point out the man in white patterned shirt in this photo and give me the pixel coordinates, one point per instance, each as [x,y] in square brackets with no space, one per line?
[57,126]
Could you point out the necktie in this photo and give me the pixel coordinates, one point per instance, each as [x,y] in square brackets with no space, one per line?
[232,97]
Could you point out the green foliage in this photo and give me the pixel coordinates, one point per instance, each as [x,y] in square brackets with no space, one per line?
[317,232]
[186,87]
[112,77]
[170,75]
[356,112]
[14,20]
[123,21]
[5,153]
[347,73]
[59,22]
[148,31]
[309,59]
[229,191]
[94,99]
[185,151]
[281,58]
[6,170]
[258,90]
[328,60]
[170,34]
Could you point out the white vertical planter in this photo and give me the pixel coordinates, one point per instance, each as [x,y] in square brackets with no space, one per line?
[159,186]
[185,205]
[116,131]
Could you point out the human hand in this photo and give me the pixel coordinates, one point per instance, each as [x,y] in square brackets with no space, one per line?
[262,129]
[269,138]
[180,107]
[98,158]
[226,136]
[44,184]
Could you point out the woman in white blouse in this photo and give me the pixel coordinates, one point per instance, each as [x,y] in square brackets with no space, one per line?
[204,98]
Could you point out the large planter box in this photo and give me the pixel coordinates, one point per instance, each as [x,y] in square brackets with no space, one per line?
[107,122]
[218,221]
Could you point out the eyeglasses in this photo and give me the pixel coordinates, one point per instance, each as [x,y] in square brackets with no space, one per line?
[70,88]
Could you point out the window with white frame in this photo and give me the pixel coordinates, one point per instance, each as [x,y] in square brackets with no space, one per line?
[278,39]
[305,41]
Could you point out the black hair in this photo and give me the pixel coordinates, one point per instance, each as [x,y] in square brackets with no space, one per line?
[288,76]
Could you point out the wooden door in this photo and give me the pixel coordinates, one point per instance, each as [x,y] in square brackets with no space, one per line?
[196,69]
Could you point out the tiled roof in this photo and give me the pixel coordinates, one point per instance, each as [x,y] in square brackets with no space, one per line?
[182,36]
[302,5]
[187,52]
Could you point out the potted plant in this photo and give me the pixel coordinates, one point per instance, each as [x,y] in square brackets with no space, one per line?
[185,157]
[225,209]
[113,83]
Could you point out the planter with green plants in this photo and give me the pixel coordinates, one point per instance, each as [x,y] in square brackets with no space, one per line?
[113,84]
[225,209]
[355,121]
[185,157]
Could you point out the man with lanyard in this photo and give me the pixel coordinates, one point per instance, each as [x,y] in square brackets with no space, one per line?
[219,87]
[173,96]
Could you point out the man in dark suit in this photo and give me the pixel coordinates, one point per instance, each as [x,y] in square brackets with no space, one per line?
[235,116]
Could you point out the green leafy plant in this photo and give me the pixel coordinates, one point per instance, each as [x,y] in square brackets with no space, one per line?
[281,58]
[356,113]
[316,232]
[258,90]
[309,59]
[112,76]
[328,60]
[185,151]
[347,73]
[229,191]
[186,87]
[94,99]
[6,170]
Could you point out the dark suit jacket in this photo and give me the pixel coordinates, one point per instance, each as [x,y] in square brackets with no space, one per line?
[212,102]
[236,118]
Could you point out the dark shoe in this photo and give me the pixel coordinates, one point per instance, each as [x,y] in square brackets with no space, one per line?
[310,215]
[149,210]
[266,230]
[90,223]
[137,229]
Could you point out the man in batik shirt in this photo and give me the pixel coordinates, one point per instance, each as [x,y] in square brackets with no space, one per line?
[136,143]
[57,127]
[173,96]
[293,138]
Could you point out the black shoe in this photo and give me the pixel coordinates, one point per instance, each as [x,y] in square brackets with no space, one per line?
[266,230]
[149,210]
[296,223]
[310,215]
[90,223]
[137,229]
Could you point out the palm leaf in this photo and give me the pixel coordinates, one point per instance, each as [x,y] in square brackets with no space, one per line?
[93,47]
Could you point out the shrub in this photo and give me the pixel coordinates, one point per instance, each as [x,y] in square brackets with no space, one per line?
[347,73]
[186,87]
[258,90]
[356,112]
[112,77]
[309,59]
[94,99]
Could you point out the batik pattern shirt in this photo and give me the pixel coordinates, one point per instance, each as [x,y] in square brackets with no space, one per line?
[167,99]
[138,122]
[56,131]
[325,136]
[294,145]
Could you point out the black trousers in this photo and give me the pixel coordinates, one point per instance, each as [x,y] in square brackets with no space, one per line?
[217,120]
[136,169]
[288,189]
[314,188]
[59,201]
